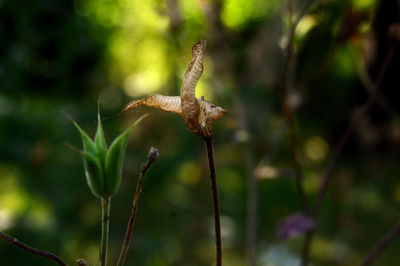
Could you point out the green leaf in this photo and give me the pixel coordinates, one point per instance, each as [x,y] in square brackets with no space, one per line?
[94,173]
[100,141]
[114,159]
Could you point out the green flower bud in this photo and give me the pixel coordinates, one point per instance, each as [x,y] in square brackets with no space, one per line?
[103,166]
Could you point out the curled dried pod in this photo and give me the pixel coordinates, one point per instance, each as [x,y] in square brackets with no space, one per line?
[197,113]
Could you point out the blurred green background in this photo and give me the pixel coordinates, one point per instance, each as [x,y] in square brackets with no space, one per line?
[62,56]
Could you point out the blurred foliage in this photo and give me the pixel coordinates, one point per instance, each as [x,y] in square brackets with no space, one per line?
[61,56]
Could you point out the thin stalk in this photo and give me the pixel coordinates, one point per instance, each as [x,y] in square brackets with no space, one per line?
[382,245]
[32,250]
[210,153]
[153,156]
[287,112]
[105,221]
[298,172]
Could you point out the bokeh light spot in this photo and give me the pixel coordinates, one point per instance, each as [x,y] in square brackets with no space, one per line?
[344,65]
[396,193]
[6,219]
[305,25]
[190,173]
[236,13]
[316,148]
[266,172]
[364,3]
[311,182]
[13,199]
[40,215]
[324,249]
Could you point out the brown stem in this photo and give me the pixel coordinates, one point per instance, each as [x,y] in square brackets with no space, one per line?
[382,245]
[223,39]
[337,151]
[32,250]
[210,153]
[152,157]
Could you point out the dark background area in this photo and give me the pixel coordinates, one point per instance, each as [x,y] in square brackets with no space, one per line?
[62,56]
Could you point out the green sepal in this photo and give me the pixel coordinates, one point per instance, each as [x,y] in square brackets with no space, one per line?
[93,170]
[88,144]
[94,173]
[100,141]
[114,158]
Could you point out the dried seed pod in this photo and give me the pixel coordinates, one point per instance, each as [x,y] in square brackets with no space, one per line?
[208,114]
[198,114]
[190,105]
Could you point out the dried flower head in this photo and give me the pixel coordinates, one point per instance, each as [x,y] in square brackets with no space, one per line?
[197,113]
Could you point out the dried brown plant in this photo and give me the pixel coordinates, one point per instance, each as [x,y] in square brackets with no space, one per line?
[197,113]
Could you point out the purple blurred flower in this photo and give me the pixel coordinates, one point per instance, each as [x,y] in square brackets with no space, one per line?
[294,225]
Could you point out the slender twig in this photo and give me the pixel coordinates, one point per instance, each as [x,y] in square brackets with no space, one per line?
[153,156]
[337,151]
[369,86]
[105,220]
[210,153]
[287,112]
[32,250]
[293,146]
[382,245]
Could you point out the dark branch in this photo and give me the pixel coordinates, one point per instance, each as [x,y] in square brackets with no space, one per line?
[32,250]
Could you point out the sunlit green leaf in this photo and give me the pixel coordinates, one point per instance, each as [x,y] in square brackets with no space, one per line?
[94,173]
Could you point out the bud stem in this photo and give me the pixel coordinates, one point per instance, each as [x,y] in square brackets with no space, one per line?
[105,214]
